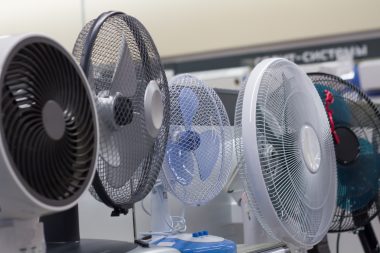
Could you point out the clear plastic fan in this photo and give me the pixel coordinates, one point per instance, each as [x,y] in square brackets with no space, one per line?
[198,155]
[286,153]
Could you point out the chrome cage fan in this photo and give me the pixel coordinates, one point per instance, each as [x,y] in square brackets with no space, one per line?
[123,66]
[286,153]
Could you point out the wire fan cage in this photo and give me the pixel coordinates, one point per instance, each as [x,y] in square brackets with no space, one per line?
[53,155]
[292,197]
[120,60]
[358,195]
[197,163]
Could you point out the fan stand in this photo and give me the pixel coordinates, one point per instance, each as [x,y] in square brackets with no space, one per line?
[62,236]
[368,239]
[321,247]
[62,226]
[160,210]
[254,235]
[253,232]
[21,236]
[366,233]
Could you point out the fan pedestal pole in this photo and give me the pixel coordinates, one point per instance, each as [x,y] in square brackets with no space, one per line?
[62,227]
[253,232]
[160,209]
[368,239]
[22,236]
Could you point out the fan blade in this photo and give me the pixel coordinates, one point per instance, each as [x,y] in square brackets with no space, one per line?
[358,182]
[122,166]
[189,105]
[208,153]
[124,79]
[180,163]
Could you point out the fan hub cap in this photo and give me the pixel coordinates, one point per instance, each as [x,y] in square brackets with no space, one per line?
[189,140]
[116,111]
[154,108]
[347,151]
[53,120]
[311,149]
[122,111]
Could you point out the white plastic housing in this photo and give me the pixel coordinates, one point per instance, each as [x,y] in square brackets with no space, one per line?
[15,200]
[250,143]
[22,236]
[160,209]
[154,108]
[369,74]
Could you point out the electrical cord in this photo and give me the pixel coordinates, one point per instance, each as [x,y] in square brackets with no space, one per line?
[337,243]
[340,227]
[144,209]
[177,224]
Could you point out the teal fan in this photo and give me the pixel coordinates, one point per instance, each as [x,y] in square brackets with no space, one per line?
[357,122]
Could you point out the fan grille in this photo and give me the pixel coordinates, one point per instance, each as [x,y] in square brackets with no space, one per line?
[358,203]
[57,170]
[130,159]
[210,117]
[302,200]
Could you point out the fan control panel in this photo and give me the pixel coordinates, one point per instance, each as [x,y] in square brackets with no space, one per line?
[198,242]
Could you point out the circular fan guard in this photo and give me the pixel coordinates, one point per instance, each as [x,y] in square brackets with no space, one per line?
[197,163]
[48,121]
[121,62]
[357,122]
[290,182]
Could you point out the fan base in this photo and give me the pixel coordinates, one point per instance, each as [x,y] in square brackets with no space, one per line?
[91,246]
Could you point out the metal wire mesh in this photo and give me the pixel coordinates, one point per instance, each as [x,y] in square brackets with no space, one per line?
[303,201]
[358,197]
[197,163]
[123,61]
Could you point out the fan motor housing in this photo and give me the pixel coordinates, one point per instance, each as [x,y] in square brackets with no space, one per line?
[18,200]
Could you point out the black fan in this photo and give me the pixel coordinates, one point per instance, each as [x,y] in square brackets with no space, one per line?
[48,121]
[48,137]
[355,126]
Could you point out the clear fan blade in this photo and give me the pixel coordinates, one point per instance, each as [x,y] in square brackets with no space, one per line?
[189,105]
[123,165]
[124,79]
[208,153]
[180,163]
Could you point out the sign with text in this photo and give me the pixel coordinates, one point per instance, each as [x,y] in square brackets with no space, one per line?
[360,49]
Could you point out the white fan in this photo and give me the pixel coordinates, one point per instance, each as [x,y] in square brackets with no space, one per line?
[197,162]
[286,153]
[48,137]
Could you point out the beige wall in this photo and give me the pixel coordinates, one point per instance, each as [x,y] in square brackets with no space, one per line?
[182,27]
[191,26]
[60,19]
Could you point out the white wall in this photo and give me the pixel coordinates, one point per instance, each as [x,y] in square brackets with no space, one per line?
[95,221]
[60,19]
